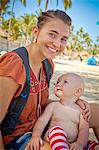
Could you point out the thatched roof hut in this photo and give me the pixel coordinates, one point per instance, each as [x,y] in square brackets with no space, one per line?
[3,33]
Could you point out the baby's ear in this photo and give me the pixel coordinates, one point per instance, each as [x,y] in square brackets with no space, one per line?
[78,92]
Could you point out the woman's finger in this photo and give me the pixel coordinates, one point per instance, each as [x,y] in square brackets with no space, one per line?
[41,142]
[85,111]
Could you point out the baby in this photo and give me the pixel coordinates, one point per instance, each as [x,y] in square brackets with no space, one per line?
[67,128]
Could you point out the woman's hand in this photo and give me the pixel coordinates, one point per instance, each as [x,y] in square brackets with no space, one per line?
[86,110]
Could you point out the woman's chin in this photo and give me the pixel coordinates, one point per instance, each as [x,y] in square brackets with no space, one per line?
[50,55]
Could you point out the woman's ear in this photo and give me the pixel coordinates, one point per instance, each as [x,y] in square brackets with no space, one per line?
[78,92]
[35,31]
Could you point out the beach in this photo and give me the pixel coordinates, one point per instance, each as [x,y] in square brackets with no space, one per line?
[90,75]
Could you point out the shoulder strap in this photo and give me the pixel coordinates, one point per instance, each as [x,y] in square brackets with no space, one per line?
[48,69]
[12,117]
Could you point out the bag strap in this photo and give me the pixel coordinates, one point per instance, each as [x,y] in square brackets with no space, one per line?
[48,69]
[12,117]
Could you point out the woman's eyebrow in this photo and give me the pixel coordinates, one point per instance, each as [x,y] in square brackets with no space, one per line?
[58,33]
[54,31]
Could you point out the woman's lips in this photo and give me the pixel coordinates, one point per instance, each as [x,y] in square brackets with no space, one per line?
[52,49]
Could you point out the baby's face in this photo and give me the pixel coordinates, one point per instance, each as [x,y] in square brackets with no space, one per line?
[66,86]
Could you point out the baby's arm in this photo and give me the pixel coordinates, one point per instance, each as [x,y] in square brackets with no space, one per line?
[39,127]
[43,120]
[82,135]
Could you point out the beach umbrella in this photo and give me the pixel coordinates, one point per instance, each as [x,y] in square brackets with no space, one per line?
[97,23]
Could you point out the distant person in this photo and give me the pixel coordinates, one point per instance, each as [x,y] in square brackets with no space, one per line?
[67,128]
[92,61]
[81,59]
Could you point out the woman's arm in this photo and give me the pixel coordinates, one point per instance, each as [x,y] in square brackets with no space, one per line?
[94,120]
[86,110]
[90,113]
[8,88]
[1,142]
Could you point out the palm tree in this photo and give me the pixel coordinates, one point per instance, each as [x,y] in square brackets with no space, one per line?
[14,30]
[13,4]
[4,5]
[79,41]
[12,10]
[67,3]
[26,23]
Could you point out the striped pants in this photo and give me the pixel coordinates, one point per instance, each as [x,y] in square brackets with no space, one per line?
[58,138]
[92,144]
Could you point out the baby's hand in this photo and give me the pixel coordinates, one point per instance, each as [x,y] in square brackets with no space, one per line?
[76,146]
[34,144]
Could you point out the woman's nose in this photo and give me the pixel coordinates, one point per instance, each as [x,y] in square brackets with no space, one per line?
[56,43]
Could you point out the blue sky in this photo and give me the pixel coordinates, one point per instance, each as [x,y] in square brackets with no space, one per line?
[84,13]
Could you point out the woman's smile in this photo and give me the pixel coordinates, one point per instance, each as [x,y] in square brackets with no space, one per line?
[52,49]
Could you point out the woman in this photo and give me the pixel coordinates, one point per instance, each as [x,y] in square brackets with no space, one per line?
[50,36]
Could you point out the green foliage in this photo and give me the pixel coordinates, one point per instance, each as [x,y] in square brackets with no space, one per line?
[66,3]
[80,41]
[26,24]
[21,27]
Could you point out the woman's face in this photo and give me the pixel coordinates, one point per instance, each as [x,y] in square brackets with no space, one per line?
[52,37]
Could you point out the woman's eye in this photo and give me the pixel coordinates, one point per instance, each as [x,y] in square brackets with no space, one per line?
[64,40]
[51,35]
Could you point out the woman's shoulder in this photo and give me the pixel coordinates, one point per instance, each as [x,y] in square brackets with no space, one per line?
[11,65]
[10,58]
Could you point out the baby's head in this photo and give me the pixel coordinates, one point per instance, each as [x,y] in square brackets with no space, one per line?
[69,85]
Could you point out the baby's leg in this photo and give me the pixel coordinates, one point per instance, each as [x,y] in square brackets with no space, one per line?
[58,138]
[93,145]
[45,146]
[94,121]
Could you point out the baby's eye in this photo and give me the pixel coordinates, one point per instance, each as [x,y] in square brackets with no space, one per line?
[65,81]
[57,82]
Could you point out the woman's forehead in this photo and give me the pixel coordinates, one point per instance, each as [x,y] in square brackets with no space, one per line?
[57,25]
